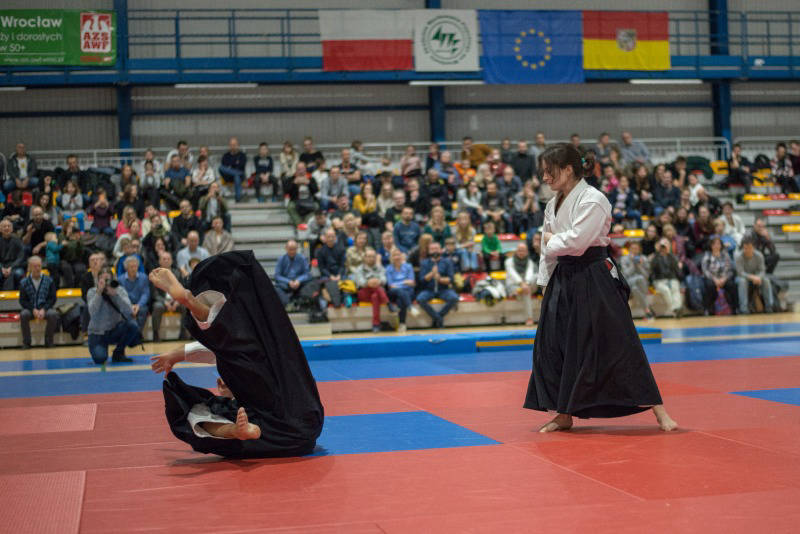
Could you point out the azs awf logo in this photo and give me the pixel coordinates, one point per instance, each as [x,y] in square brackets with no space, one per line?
[96,32]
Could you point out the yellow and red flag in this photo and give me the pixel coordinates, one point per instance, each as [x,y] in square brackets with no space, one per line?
[625,40]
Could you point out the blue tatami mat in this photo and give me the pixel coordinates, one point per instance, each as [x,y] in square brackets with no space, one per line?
[786,395]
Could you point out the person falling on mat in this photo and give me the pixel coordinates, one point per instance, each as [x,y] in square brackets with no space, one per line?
[268,405]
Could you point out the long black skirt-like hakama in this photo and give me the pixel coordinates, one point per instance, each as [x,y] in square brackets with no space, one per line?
[261,361]
[588,360]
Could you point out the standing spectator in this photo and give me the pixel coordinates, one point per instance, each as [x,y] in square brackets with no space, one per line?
[436,279]
[12,257]
[739,169]
[400,283]
[475,153]
[333,186]
[310,155]
[665,271]
[265,173]
[36,230]
[494,205]
[521,279]
[667,196]
[101,212]
[212,205]
[137,287]
[292,274]
[288,160]
[370,277]
[634,151]
[110,320]
[162,301]
[192,250]
[764,244]
[782,170]
[437,226]
[636,270]
[491,248]
[470,200]
[524,164]
[331,263]
[21,171]
[465,243]
[176,182]
[218,240]
[623,203]
[233,165]
[186,222]
[301,191]
[37,296]
[410,163]
[406,230]
[720,279]
[752,276]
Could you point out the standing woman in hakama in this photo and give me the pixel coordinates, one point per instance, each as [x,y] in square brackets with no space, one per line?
[587,358]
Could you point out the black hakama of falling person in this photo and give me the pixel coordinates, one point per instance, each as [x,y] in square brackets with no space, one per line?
[260,359]
[588,360]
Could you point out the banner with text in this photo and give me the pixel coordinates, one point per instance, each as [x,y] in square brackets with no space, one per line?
[57,37]
[445,40]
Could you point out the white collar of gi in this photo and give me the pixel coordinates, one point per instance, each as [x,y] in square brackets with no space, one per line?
[576,191]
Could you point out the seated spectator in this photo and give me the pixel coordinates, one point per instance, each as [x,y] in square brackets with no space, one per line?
[495,206]
[702,230]
[418,200]
[176,183]
[233,165]
[623,203]
[609,181]
[521,279]
[436,190]
[475,153]
[720,279]
[636,270]
[202,177]
[135,282]
[126,177]
[437,226]
[332,187]
[649,240]
[491,248]
[12,257]
[218,240]
[51,212]
[752,277]
[52,257]
[151,183]
[355,253]
[410,163]
[349,230]
[465,243]
[73,173]
[292,275]
[764,244]
[483,175]
[130,198]
[678,247]
[665,271]
[370,277]
[385,250]
[679,171]
[301,191]
[21,171]
[319,174]
[385,200]
[643,186]
[71,201]
[667,196]
[184,154]
[470,199]
[212,205]
[33,238]
[634,151]
[400,283]
[159,229]
[434,156]
[342,209]
[525,212]
[347,166]
[186,222]
[393,213]
[16,211]
[436,280]
[288,160]
[734,227]
[783,171]
[102,213]
[111,320]
[366,204]
[129,223]
[447,171]
[523,164]
[739,169]
[419,253]
[509,184]
[406,230]
[152,253]
[712,203]
[451,253]
[496,165]
[316,225]
[534,242]
[728,243]
[192,250]
[265,173]
[331,263]
[602,148]
[163,302]
[310,155]
[37,298]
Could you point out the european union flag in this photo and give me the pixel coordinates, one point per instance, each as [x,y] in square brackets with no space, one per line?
[532,46]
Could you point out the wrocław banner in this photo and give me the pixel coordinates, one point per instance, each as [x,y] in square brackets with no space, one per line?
[57,37]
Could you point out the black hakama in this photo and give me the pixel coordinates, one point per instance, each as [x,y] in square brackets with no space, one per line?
[260,359]
[588,360]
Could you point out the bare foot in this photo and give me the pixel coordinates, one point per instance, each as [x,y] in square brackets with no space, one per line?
[224,391]
[164,280]
[244,429]
[665,422]
[560,422]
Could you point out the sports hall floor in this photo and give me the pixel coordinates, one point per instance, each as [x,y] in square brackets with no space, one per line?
[424,442]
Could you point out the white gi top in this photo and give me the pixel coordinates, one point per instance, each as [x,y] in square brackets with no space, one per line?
[583,220]
[195,352]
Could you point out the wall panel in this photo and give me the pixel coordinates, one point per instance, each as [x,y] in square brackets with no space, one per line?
[59,133]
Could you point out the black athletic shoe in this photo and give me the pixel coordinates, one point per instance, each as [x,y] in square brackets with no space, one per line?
[120,358]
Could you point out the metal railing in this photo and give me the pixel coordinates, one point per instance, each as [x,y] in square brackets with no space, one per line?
[661,150]
[755,145]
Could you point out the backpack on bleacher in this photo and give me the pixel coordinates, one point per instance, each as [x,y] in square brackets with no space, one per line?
[695,287]
[762,162]
[699,163]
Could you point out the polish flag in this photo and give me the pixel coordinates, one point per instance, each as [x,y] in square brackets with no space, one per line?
[365,39]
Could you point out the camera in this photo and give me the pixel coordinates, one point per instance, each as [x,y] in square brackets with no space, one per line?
[113,284]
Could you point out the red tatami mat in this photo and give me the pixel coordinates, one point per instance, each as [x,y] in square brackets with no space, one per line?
[41,503]
[43,419]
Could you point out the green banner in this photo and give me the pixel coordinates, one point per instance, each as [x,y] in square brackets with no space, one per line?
[57,37]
